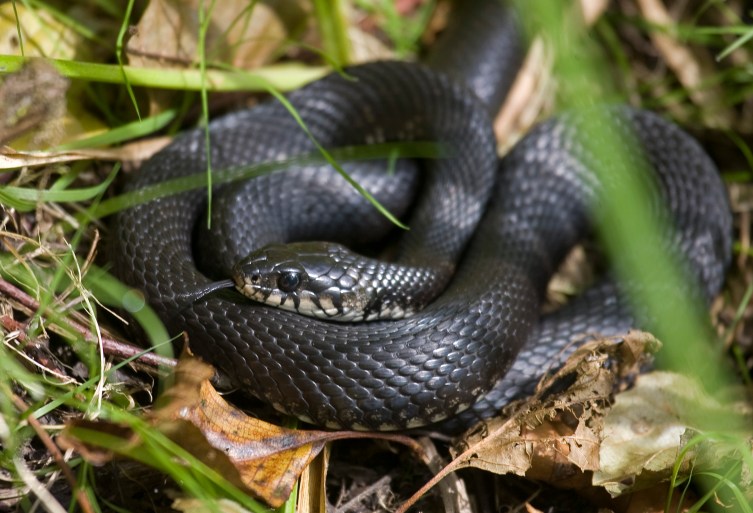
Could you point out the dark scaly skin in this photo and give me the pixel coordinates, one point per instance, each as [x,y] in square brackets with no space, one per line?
[406,373]
[330,281]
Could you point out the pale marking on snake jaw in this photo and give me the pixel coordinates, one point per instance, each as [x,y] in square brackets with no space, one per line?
[327,305]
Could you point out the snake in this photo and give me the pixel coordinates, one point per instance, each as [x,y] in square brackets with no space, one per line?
[501,227]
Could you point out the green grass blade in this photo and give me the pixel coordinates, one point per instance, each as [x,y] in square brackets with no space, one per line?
[205,15]
[283,77]
[34,196]
[333,28]
[123,133]
[625,215]
[744,38]
[331,160]
[19,34]
[119,55]
[112,292]
[66,20]
[425,150]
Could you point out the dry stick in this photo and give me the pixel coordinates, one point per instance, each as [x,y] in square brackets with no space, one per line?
[452,490]
[134,151]
[110,346]
[355,502]
[54,450]
[49,365]
[458,462]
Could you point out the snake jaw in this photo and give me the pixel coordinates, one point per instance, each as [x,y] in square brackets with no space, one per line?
[309,278]
[328,281]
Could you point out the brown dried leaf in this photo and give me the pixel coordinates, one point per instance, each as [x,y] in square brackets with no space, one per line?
[240,34]
[654,500]
[191,505]
[267,458]
[650,425]
[42,34]
[37,109]
[530,96]
[264,459]
[555,435]
[34,97]
[11,158]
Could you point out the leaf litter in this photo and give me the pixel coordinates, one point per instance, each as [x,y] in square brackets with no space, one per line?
[575,437]
[261,458]
[594,433]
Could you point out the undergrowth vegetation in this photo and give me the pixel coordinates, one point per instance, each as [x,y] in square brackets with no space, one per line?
[109,85]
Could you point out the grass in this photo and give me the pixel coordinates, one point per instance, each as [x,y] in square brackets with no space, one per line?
[57,205]
[627,215]
[333,27]
[403,32]
[284,77]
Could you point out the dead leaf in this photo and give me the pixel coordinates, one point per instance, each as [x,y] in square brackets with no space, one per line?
[268,458]
[200,506]
[261,458]
[37,112]
[11,158]
[43,35]
[555,435]
[649,425]
[240,34]
[96,454]
[531,95]
[34,97]
[654,500]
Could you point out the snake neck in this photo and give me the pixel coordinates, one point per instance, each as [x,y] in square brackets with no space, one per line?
[399,291]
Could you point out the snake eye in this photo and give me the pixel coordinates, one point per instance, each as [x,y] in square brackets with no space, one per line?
[255,278]
[289,281]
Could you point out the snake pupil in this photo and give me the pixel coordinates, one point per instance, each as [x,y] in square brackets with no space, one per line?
[255,278]
[288,281]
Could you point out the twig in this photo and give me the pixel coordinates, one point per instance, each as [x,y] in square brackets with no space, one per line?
[54,450]
[366,492]
[48,365]
[452,489]
[111,346]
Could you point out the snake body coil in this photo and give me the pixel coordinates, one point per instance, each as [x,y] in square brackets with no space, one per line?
[508,223]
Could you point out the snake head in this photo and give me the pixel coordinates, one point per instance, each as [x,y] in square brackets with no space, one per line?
[310,278]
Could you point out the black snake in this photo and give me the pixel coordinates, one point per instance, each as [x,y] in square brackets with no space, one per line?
[507,224]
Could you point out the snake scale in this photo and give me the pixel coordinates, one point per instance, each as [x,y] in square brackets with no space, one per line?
[508,224]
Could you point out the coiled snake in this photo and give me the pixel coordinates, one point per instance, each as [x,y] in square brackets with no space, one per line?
[504,227]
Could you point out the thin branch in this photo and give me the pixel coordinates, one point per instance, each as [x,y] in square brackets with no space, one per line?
[54,450]
[110,345]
